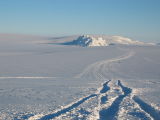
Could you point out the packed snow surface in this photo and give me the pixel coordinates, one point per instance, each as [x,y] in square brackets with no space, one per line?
[41,79]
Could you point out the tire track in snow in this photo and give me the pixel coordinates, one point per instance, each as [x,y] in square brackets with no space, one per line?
[103,93]
[133,108]
[110,113]
[102,99]
[67,109]
[70,107]
[105,87]
[147,108]
[95,70]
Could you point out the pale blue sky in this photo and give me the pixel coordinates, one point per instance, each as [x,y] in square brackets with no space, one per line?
[137,19]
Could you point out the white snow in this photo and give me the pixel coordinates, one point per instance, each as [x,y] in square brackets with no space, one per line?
[86,40]
[43,79]
[103,40]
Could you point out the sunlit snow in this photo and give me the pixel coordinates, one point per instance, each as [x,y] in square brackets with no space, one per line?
[44,78]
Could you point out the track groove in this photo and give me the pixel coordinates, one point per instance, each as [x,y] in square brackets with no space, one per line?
[63,111]
[110,113]
[109,103]
[147,108]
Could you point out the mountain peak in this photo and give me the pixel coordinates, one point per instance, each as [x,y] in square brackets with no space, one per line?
[88,40]
[103,40]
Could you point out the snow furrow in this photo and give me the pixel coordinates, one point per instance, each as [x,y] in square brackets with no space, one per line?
[111,112]
[111,98]
[67,109]
[74,105]
[105,87]
[129,108]
[102,99]
[147,108]
[96,70]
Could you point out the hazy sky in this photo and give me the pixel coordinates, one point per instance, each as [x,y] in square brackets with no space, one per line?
[138,19]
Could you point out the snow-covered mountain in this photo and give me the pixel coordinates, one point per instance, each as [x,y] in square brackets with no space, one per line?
[103,40]
[87,40]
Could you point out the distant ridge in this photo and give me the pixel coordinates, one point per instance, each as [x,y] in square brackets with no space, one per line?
[102,40]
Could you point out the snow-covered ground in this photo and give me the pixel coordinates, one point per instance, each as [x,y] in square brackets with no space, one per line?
[40,79]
